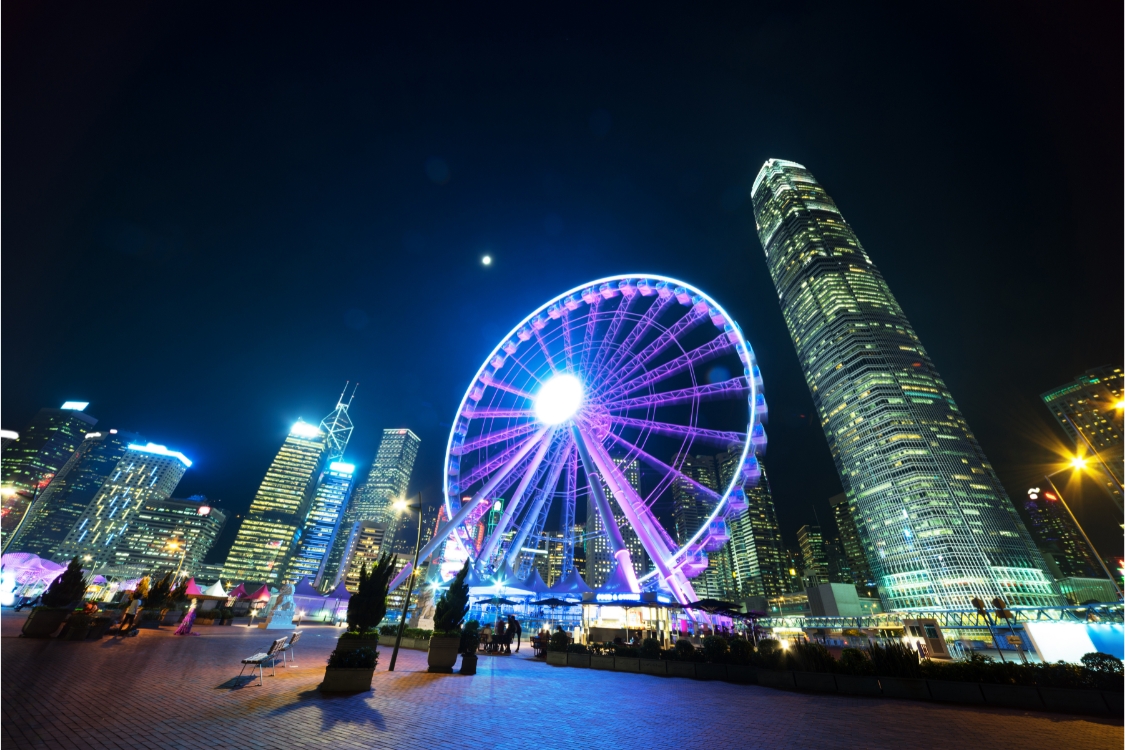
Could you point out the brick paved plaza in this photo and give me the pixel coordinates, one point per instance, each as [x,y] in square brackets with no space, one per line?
[163,691]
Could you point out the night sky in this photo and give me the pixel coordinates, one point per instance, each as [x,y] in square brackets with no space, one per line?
[214,216]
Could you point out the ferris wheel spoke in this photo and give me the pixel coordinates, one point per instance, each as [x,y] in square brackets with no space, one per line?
[493,438]
[667,338]
[685,431]
[710,350]
[529,473]
[545,491]
[601,504]
[546,351]
[620,315]
[675,473]
[499,413]
[587,338]
[648,319]
[502,386]
[734,386]
[568,347]
[496,462]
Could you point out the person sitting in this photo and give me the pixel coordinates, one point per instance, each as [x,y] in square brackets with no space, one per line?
[486,638]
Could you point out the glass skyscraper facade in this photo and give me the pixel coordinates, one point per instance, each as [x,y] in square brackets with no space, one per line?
[935,523]
[1089,410]
[271,530]
[322,523]
[61,504]
[755,537]
[599,557]
[30,462]
[166,534]
[145,474]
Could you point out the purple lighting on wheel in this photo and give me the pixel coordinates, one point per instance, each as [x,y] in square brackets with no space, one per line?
[625,369]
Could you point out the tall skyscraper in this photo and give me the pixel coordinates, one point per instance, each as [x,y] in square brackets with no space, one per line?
[1089,410]
[167,534]
[61,504]
[755,538]
[270,532]
[690,508]
[387,479]
[363,546]
[1060,541]
[145,474]
[599,559]
[936,525]
[849,542]
[322,524]
[814,558]
[31,462]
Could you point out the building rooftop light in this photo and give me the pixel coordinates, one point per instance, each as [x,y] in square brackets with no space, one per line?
[160,450]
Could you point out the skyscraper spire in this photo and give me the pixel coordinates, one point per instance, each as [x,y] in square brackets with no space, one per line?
[338,426]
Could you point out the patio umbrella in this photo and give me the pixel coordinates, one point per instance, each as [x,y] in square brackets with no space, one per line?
[554,602]
[499,601]
[712,606]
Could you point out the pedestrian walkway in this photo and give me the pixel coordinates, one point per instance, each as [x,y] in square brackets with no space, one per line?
[162,691]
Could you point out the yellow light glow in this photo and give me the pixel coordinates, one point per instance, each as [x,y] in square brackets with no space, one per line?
[1078,463]
[400,505]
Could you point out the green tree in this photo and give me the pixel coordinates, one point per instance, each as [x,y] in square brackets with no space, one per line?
[68,589]
[141,591]
[160,595]
[453,605]
[368,604]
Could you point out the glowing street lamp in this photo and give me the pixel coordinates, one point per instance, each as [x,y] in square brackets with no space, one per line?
[1078,463]
[402,506]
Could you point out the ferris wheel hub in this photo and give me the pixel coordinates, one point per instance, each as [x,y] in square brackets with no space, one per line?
[559,399]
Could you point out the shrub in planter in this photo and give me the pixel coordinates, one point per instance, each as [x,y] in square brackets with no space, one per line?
[768,655]
[470,639]
[559,641]
[628,652]
[715,649]
[350,671]
[685,650]
[741,652]
[650,648]
[77,626]
[577,648]
[388,630]
[449,613]
[854,661]
[895,660]
[368,604]
[811,657]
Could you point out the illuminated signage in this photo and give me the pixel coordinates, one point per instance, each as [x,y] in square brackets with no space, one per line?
[342,467]
[305,430]
[204,510]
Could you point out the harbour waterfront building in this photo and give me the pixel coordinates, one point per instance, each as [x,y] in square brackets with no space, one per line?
[387,479]
[935,523]
[1089,410]
[322,523]
[270,531]
[29,463]
[61,503]
[166,535]
[145,474]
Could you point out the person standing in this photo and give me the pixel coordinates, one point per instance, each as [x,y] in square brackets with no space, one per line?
[501,637]
[515,630]
[130,617]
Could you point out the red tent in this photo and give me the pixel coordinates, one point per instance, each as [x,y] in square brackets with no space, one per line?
[261,595]
[238,591]
[192,589]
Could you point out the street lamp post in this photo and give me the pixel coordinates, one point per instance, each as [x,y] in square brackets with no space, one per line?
[403,506]
[1077,464]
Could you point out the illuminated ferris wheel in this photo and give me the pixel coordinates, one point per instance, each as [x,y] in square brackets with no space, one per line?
[625,376]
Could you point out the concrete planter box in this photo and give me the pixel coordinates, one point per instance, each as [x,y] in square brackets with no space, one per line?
[337,680]
[654,666]
[1074,701]
[344,645]
[626,664]
[1012,696]
[905,687]
[681,669]
[43,622]
[386,640]
[816,682]
[955,692]
[600,662]
[1114,701]
[578,660]
[468,664]
[443,653]
[418,643]
[707,671]
[743,675]
[776,678]
[850,684]
[557,658]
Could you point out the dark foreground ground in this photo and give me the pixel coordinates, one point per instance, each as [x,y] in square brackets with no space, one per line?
[160,691]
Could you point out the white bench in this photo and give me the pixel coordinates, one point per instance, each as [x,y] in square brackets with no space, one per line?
[257,660]
[288,649]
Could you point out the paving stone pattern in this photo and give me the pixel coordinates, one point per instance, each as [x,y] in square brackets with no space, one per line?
[158,691]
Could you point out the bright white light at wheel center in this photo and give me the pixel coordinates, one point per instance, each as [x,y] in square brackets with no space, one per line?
[559,399]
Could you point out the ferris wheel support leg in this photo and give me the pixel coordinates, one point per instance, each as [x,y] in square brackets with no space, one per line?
[613,534]
[529,518]
[459,517]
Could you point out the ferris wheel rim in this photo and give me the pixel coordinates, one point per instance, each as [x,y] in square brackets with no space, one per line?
[740,346]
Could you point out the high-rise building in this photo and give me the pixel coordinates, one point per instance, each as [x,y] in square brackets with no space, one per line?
[7,437]
[755,537]
[322,524]
[936,525]
[791,569]
[30,463]
[1058,538]
[61,504]
[270,532]
[849,541]
[146,474]
[599,558]
[387,479]
[167,534]
[1089,410]
[814,559]
[363,546]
